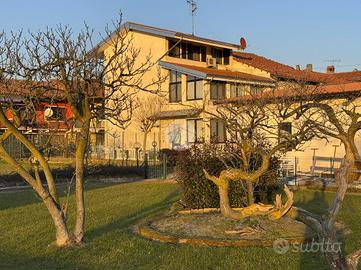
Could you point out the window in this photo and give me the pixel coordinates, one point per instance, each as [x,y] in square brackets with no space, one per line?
[55,113]
[187,51]
[218,90]
[226,55]
[175,87]
[218,131]
[184,50]
[256,89]
[175,135]
[284,130]
[194,52]
[195,131]
[100,138]
[174,49]
[238,90]
[194,88]
[203,54]
[222,56]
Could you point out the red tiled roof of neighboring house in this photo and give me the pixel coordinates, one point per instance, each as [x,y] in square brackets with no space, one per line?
[304,93]
[46,90]
[219,73]
[350,76]
[279,70]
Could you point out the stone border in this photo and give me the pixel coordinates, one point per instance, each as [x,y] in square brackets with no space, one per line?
[147,231]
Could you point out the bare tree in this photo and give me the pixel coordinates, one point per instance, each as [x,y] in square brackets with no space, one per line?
[334,112]
[330,111]
[256,124]
[339,118]
[147,107]
[58,64]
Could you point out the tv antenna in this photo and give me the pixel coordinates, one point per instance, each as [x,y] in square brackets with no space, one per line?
[332,61]
[193,6]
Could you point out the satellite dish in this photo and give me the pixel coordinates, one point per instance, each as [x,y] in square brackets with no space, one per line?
[48,112]
[243,43]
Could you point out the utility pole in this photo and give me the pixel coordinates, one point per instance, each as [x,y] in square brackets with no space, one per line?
[193,7]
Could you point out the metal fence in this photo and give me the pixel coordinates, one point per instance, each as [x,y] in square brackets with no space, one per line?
[15,148]
[305,169]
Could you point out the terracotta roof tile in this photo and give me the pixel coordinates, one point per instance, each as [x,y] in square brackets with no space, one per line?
[52,89]
[279,70]
[351,76]
[323,91]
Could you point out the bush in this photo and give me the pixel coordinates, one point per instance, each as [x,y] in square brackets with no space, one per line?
[199,192]
[66,173]
[171,155]
[269,184]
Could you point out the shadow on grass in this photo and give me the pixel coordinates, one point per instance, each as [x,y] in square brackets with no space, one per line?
[19,261]
[72,258]
[23,197]
[134,218]
[319,205]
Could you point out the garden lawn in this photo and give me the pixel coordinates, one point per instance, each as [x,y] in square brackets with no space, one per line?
[26,232]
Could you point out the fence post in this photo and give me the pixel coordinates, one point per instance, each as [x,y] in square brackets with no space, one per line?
[164,166]
[146,168]
[295,171]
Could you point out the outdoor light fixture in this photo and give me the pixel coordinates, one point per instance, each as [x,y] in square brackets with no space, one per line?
[154,144]
[137,147]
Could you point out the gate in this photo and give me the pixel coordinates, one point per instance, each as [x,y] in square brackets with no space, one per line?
[155,168]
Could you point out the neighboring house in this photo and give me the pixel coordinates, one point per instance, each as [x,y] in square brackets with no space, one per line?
[51,118]
[332,85]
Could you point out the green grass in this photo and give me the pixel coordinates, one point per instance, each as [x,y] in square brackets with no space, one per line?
[26,233]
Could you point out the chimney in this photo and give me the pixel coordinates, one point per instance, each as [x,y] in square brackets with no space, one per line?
[330,69]
[298,67]
[308,67]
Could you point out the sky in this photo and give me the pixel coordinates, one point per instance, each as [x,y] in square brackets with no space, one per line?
[292,32]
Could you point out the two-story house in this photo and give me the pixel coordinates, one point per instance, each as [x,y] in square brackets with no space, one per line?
[198,71]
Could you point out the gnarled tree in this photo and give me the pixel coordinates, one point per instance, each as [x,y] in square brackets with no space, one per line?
[59,64]
[259,125]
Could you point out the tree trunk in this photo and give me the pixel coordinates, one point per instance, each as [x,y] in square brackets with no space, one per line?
[79,182]
[224,205]
[325,226]
[352,157]
[63,237]
[145,136]
[250,193]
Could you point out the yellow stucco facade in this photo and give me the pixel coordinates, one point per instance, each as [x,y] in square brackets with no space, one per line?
[120,142]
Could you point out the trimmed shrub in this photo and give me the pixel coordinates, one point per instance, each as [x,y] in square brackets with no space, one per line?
[65,173]
[171,155]
[199,192]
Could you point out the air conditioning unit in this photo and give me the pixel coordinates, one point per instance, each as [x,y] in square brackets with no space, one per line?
[211,62]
